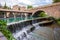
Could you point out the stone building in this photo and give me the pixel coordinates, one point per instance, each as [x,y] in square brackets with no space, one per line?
[21,8]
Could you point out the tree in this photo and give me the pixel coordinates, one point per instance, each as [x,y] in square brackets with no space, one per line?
[6,7]
[29,6]
[56,1]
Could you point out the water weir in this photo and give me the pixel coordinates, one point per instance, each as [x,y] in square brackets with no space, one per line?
[22,29]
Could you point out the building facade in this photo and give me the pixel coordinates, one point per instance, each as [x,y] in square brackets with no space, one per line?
[20,8]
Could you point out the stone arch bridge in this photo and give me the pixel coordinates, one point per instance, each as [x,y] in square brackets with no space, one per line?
[51,10]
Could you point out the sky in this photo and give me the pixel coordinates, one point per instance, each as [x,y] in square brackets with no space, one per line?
[26,2]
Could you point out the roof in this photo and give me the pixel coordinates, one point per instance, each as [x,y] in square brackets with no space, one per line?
[10,10]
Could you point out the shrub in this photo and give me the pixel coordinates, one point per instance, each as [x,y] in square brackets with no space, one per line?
[58,21]
[4,30]
[42,14]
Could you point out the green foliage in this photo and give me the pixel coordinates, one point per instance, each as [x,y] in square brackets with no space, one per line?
[58,21]
[42,14]
[1,13]
[6,7]
[7,34]
[4,30]
[29,6]
[56,1]
[2,23]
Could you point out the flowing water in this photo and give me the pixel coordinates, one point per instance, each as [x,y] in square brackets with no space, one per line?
[25,34]
[22,32]
[39,33]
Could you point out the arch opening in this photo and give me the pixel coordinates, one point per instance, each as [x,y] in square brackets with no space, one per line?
[40,14]
[11,15]
[2,14]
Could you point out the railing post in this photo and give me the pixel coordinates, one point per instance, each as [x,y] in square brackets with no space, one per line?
[4,15]
[7,14]
[26,15]
[14,15]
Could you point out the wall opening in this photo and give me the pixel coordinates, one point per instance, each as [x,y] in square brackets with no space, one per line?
[40,14]
[2,14]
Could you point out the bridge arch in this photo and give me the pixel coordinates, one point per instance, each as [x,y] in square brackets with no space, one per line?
[11,14]
[37,13]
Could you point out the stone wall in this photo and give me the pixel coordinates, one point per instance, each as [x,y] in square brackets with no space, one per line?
[52,10]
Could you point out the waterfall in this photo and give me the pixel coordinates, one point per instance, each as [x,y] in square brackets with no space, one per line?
[28,30]
[36,25]
[22,30]
[24,33]
[20,35]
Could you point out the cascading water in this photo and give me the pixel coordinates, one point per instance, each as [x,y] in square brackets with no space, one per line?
[23,30]
[34,23]
[24,33]
[37,26]
[20,35]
